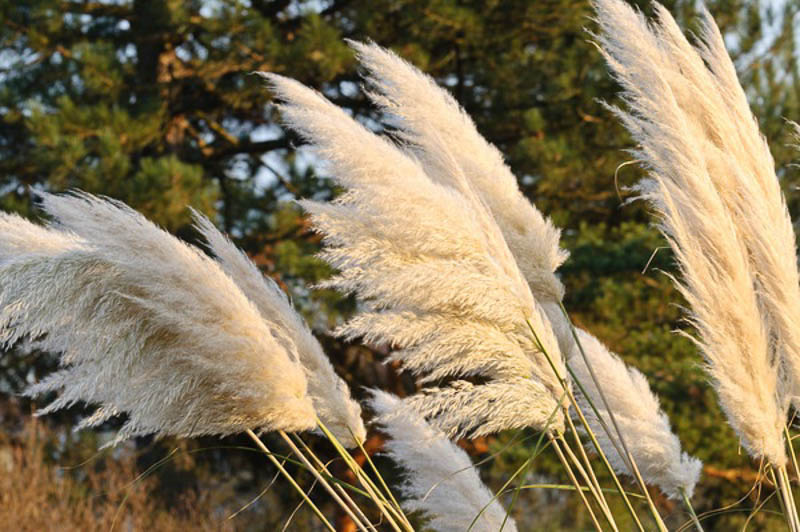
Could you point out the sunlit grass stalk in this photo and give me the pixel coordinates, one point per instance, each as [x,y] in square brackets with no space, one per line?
[585,459]
[388,509]
[786,491]
[792,454]
[590,433]
[568,391]
[784,497]
[537,450]
[568,487]
[650,503]
[325,484]
[515,496]
[607,464]
[625,453]
[291,479]
[337,485]
[790,496]
[383,483]
[574,480]
[594,490]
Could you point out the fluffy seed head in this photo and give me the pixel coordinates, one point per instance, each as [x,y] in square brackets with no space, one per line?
[702,149]
[145,325]
[426,117]
[330,394]
[432,269]
[441,482]
[644,426]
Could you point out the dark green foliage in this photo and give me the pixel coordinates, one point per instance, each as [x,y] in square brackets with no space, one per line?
[153,102]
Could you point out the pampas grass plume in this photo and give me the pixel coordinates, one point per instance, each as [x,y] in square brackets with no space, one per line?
[644,426]
[701,149]
[145,326]
[426,116]
[432,269]
[440,482]
[329,393]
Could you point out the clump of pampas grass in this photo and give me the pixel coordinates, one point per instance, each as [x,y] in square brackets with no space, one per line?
[414,102]
[712,182]
[441,482]
[148,326]
[434,274]
[427,117]
[645,428]
[329,393]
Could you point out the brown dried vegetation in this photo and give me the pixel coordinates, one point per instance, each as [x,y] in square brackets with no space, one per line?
[104,494]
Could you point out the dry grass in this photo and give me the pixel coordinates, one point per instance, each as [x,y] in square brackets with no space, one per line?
[36,494]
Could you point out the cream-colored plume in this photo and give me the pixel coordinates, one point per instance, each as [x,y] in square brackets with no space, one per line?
[330,394]
[145,325]
[707,99]
[432,269]
[712,183]
[644,426]
[441,482]
[415,102]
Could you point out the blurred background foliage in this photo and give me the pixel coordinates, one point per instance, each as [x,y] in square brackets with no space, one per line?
[154,102]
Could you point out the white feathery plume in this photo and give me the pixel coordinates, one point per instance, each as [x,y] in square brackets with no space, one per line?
[441,482]
[18,236]
[709,101]
[330,394]
[145,325]
[700,155]
[436,277]
[644,426]
[415,102]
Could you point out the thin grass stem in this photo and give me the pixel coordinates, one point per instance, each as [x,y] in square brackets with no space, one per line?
[569,487]
[627,456]
[586,461]
[325,484]
[691,511]
[291,480]
[574,480]
[514,498]
[601,502]
[342,491]
[786,491]
[791,450]
[536,452]
[624,455]
[384,506]
[402,515]
[784,497]
[657,516]
[781,502]
[589,431]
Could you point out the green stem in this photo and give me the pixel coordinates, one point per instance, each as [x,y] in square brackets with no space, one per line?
[337,485]
[592,437]
[598,495]
[401,515]
[574,480]
[690,508]
[786,489]
[383,505]
[627,456]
